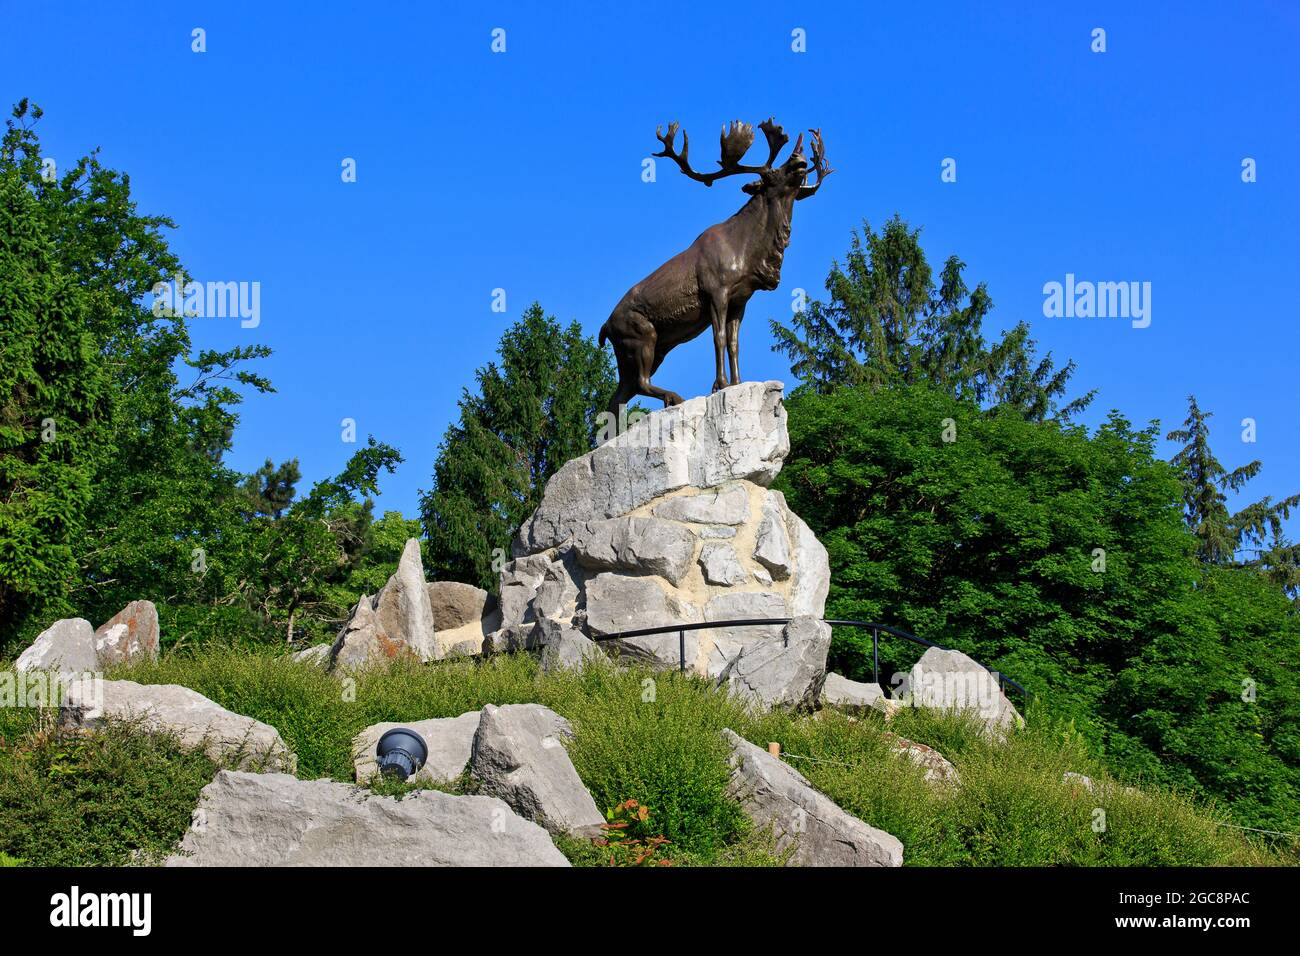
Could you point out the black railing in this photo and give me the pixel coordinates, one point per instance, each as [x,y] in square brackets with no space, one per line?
[875,628]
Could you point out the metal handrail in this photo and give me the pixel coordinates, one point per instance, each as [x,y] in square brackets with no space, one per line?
[875,628]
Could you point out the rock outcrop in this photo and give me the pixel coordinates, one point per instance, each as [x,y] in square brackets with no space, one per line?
[519,756]
[277,820]
[851,696]
[806,823]
[672,522]
[66,647]
[937,768]
[69,647]
[462,615]
[949,680]
[565,648]
[787,672]
[230,739]
[129,636]
[449,739]
[396,622]
[414,618]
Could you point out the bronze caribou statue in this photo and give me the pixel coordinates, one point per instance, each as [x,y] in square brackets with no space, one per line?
[710,283]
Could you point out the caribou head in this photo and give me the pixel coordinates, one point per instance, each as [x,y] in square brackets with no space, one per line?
[709,284]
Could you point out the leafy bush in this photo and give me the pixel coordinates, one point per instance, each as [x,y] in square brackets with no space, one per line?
[113,798]
[1061,558]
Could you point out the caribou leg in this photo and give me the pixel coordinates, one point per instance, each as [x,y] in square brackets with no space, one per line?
[735,312]
[718,317]
[640,346]
[626,390]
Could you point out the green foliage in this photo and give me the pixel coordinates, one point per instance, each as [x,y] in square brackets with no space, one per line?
[154,460]
[1221,534]
[111,465]
[630,837]
[52,402]
[667,751]
[271,489]
[296,565]
[1012,808]
[115,798]
[653,735]
[1061,559]
[888,323]
[533,412]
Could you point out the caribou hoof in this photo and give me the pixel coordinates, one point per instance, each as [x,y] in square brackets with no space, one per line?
[719,383]
[671,399]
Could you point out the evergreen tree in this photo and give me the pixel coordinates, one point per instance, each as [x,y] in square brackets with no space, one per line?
[271,489]
[887,323]
[1221,533]
[164,509]
[533,412]
[53,392]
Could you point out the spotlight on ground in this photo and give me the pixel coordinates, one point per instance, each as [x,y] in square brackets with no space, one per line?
[402,752]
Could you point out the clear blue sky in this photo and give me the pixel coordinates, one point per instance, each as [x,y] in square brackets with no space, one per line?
[522,171]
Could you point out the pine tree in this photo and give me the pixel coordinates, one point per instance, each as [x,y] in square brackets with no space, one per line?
[271,489]
[888,323]
[1221,533]
[533,412]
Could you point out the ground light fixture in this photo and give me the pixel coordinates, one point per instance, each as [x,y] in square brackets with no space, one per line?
[402,752]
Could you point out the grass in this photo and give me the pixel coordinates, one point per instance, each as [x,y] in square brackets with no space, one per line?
[650,737]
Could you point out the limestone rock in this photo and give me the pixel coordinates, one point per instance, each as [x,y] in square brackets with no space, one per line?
[728,505]
[361,643]
[735,433]
[772,547]
[510,640]
[661,526]
[277,820]
[636,545]
[1078,781]
[402,609]
[565,648]
[949,680]
[519,756]
[788,672]
[618,603]
[774,795]
[850,695]
[721,566]
[742,606]
[714,531]
[67,647]
[129,636]
[227,738]
[519,582]
[812,574]
[938,770]
[454,604]
[318,654]
[396,622]
[449,740]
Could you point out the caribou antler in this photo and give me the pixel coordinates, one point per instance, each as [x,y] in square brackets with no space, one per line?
[819,165]
[734,142]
